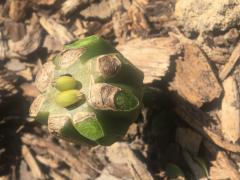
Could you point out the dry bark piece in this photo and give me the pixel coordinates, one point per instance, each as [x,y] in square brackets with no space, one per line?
[30,42]
[15,31]
[3,46]
[70,6]
[188,140]
[152,56]
[221,166]
[52,44]
[131,22]
[29,90]
[7,87]
[79,163]
[104,9]
[56,30]
[235,56]
[200,121]
[230,113]
[115,172]
[44,2]
[194,79]
[36,171]
[121,153]
[17,9]
[15,65]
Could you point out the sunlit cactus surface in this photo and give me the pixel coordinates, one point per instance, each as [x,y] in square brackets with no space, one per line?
[89,93]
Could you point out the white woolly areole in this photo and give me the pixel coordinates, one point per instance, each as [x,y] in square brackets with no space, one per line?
[102,96]
[36,105]
[70,56]
[56,122]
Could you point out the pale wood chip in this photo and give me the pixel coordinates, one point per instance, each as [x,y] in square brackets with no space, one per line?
[56,30]
[36,171]
[230,112]
[69,6]
[235,56]
[152,56]
[3,46]
[199,120]
[104,9]
[30,42]
[44,2]
[17,9]
[79,163]
[221,166]
[47,161]
[122,153]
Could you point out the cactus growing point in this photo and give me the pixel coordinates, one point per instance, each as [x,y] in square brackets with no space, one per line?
[89,93]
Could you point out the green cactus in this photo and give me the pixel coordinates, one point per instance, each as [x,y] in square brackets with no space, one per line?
[89,93]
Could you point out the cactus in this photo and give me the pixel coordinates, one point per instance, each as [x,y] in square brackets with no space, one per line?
[89,93]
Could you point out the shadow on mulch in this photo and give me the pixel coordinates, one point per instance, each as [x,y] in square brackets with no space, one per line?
[13,116]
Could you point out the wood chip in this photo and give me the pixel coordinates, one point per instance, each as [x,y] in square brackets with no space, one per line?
[235,56]
[122,153]
[194,79]
[32,164]
[3,46]
[17,9]
[230,113]
[104,9]
[44,2]
[152,56]
[47,161]
[31,40]
[29,90]
[15,30]
[7,86]
[56,30]
[188,140]
[79,163]
[69,6]
[221,166]
[26,74]
[200,120]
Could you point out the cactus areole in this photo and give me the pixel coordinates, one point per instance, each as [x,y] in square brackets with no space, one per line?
[89,93]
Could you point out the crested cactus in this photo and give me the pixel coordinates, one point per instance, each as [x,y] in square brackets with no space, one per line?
[89,93]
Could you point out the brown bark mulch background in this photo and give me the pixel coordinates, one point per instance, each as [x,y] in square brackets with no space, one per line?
[189,52]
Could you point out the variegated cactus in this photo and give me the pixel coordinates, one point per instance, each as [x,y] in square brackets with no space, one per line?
[89,93]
